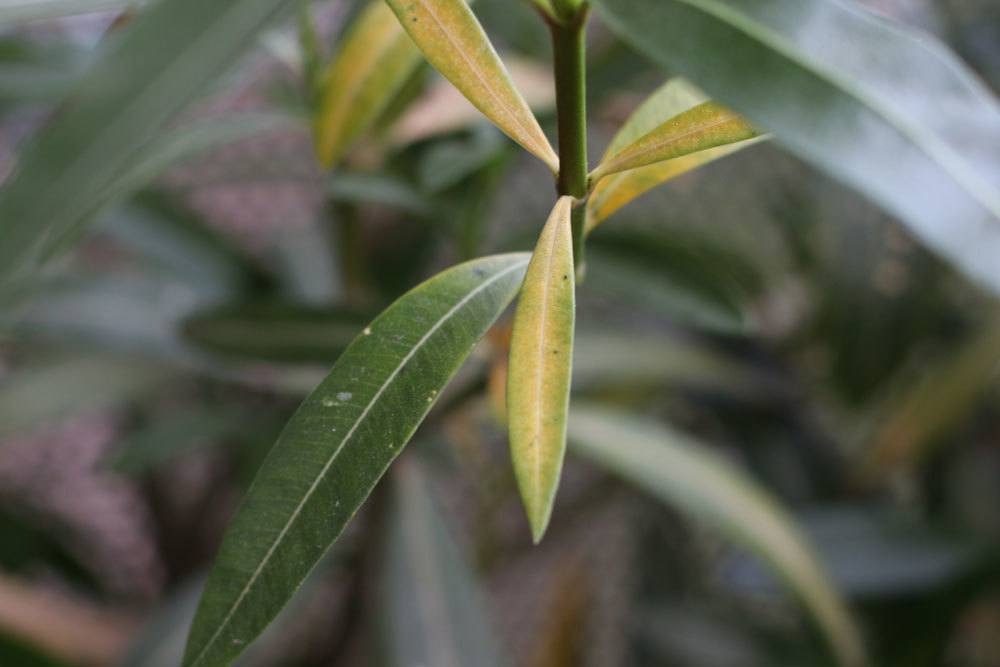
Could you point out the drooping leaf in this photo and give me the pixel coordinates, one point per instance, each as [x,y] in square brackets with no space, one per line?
[883,109]
[684,474]
[541,365]
[337,446]
[454,42]
[13,12]
[374,62]
[433,609]
[144,76]
[708,125]
[672,99]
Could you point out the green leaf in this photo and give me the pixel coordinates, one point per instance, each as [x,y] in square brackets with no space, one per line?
[708,125]
[454,42]
[684,474]
[373,64]
[13,12]
[338,444]
[889,112]
[541,365]
[143,77]
[274,331]
[433,609]
[672,99]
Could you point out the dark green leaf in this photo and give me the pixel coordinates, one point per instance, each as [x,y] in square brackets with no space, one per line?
[337,446]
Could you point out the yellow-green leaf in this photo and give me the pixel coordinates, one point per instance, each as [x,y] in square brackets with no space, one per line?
[670,101]
[375,61]
[541,362]
[455,44]
[707,125]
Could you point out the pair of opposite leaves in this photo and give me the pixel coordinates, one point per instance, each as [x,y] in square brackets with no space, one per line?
[452,40]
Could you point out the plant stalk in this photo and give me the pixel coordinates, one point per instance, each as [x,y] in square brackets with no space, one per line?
[570,57]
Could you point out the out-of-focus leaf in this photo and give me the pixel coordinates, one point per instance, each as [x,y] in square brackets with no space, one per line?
[541,366]
[434,613]
[377,189]
[678,273]
[443,109]
[923,411]
[447,163]
[337,446]
[13,12]
[672,99]
[603,360]
[275,331]
[182,243]
[708,125]
[175,433]
[684,474]
[375,61]
[39,396]
[32,71]
[452,40]
[887,111]
[145,74]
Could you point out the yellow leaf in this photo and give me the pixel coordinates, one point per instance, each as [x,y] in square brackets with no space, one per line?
[673,101]
[541,363]
[376,59]
[452,39]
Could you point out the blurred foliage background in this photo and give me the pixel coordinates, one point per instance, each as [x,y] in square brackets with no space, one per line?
[764,312]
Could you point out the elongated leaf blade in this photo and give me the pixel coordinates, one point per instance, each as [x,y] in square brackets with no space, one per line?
[373,64]
[433,608]
[673,98]
[541,365]
[708,125]
[143,77]
[452,39]
[682,473]
[337,446]
[887,111]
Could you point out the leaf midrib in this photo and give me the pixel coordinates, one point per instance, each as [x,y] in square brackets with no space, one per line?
[333,457]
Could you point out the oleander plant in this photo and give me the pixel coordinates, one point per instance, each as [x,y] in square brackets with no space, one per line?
[340,434]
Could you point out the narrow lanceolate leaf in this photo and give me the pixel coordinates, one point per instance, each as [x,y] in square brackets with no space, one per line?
[685,475]
[707,125]
[672,99]
[433,611]
[337,446]
[825,78]
[375,61]
[142,78]
[453,41]
[541,363]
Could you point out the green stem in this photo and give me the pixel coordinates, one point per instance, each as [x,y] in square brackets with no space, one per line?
[570,56]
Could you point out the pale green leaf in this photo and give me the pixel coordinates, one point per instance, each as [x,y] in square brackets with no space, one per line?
[433,609]
[541,363]
[453,41]
[374,62]
[337,446]
[143,76]
[613,192]
[882,108]
[684,474]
